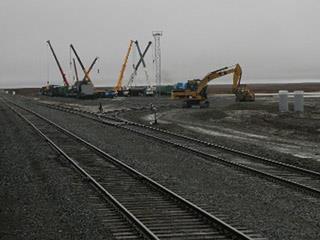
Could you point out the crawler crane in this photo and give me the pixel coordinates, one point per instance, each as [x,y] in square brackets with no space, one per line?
[56,90]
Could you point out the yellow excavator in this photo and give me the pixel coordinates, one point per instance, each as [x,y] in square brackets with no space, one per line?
[195,91]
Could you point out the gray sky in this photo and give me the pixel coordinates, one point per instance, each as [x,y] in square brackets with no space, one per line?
[273,40]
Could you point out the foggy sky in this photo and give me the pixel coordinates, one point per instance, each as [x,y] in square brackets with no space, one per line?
[273,40]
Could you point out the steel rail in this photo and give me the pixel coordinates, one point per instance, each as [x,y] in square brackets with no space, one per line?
[232,150]
[219,146]
[207,156]
[143,229]
[218,223]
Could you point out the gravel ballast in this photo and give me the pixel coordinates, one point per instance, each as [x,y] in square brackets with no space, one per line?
[275,211]
[277,139]
[38,197]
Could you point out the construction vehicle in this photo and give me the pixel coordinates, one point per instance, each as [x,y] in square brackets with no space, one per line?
[83,88]
[194,92]
[56,90]
[50,90]
[150,91]
[119,89]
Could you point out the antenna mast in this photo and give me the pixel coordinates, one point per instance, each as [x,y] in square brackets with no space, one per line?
[157,60]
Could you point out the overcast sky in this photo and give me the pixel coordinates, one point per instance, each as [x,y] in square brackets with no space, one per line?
[273,40]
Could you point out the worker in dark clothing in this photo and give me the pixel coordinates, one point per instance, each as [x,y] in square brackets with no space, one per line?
[154,110]
[100,108]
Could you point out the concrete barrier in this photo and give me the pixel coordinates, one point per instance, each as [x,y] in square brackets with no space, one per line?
[283,101]
[298,101]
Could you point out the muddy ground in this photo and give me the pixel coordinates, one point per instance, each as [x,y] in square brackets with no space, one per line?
[256,127]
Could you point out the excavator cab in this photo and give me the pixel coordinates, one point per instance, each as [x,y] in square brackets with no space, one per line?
[193,84]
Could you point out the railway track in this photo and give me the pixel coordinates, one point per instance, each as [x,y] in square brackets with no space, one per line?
[301,179]
[153,211]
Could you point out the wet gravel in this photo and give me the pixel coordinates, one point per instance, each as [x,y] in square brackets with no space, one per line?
[275,211]
[37,195]
[216,116]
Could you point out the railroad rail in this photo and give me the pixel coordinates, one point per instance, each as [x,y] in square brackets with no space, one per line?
[155,211]
[292,176]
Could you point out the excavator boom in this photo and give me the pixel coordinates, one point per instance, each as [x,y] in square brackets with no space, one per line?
[217,74]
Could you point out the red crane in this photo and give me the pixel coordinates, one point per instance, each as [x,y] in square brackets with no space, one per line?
[65,81]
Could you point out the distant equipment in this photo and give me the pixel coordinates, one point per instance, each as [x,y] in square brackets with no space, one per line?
[195,91]
[75,69]
[119,88]
[65,81]
[298,101]
[56,90]
[83,88]
[141,60]
[149,90]
[283,101]
[157,60]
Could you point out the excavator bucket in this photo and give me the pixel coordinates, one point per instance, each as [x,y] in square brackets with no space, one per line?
[244,94]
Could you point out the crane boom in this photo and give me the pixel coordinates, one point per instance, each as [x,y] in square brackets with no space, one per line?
[142,56]
[118,85]
[77,56]
[136,67]
[86,74]
[75,69]
[65,81]
[140,53]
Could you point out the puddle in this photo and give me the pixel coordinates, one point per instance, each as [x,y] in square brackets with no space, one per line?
[209,132]
[232,134]
[150,118]
[293,148]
